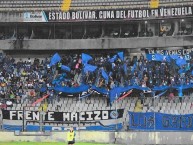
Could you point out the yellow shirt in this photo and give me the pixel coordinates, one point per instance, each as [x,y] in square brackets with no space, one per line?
[138,107]
[70,136]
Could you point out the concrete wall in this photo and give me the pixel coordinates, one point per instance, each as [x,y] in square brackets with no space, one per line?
[141,138]
[100,137]
[125,138]
[106,43]
[11,17]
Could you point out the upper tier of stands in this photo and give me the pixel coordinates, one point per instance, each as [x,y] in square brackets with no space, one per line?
[30,5]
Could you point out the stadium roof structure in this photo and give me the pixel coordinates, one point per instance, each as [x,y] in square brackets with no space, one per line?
[34,5]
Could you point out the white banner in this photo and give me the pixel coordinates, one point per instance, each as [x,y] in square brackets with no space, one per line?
[34,17]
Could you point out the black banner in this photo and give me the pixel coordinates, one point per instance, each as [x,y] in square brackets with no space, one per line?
[180,52]
[124,14]
[18,115]
[186,53]
[64,116]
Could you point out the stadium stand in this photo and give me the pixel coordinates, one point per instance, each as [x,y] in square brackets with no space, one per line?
[22,81]
[164,105]
[27,5]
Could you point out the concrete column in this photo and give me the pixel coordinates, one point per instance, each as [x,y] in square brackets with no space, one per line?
[176,28]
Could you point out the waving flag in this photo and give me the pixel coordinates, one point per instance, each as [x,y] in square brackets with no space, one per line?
[105,75]
[167,58]
[40,100]
[180,91]
[125,68]
[160,88]
[86,95]
[174,57]
[125,95]
[72,90]
[121,55]
[43,89]
[59,79]
[149,57]
[159,95]
[86,58]
[89,68]
[66,68]
[133,68]
[181,71]
[115,93]
[55,59]
[181,62]
[113,59]
[159,57]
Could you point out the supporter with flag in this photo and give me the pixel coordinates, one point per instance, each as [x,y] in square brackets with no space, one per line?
[55,59]
[86,58]
[121,55]
[102,71]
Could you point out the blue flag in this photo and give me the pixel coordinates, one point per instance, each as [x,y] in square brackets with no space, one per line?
[43,89]
[116,92]
[160,88]
[113,59]
[174,57]
[181,62]
[133,68]
[167,58]
[59,79]
[89,68]
[55,59]
[180,92]
[66,68]
[159,57]
[72,90]
[121,55]
[181,71]
[100,90]
[125,69]
[110,74]
[85,96]
[159,95]
[149,57]
[105,75]
[86,58]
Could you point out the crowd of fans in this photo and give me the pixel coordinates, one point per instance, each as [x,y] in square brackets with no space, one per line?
[22,79]
[25,79]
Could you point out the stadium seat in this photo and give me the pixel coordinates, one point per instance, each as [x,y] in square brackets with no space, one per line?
[27,5]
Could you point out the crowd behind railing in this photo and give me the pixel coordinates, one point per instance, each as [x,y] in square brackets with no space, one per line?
[21,79]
